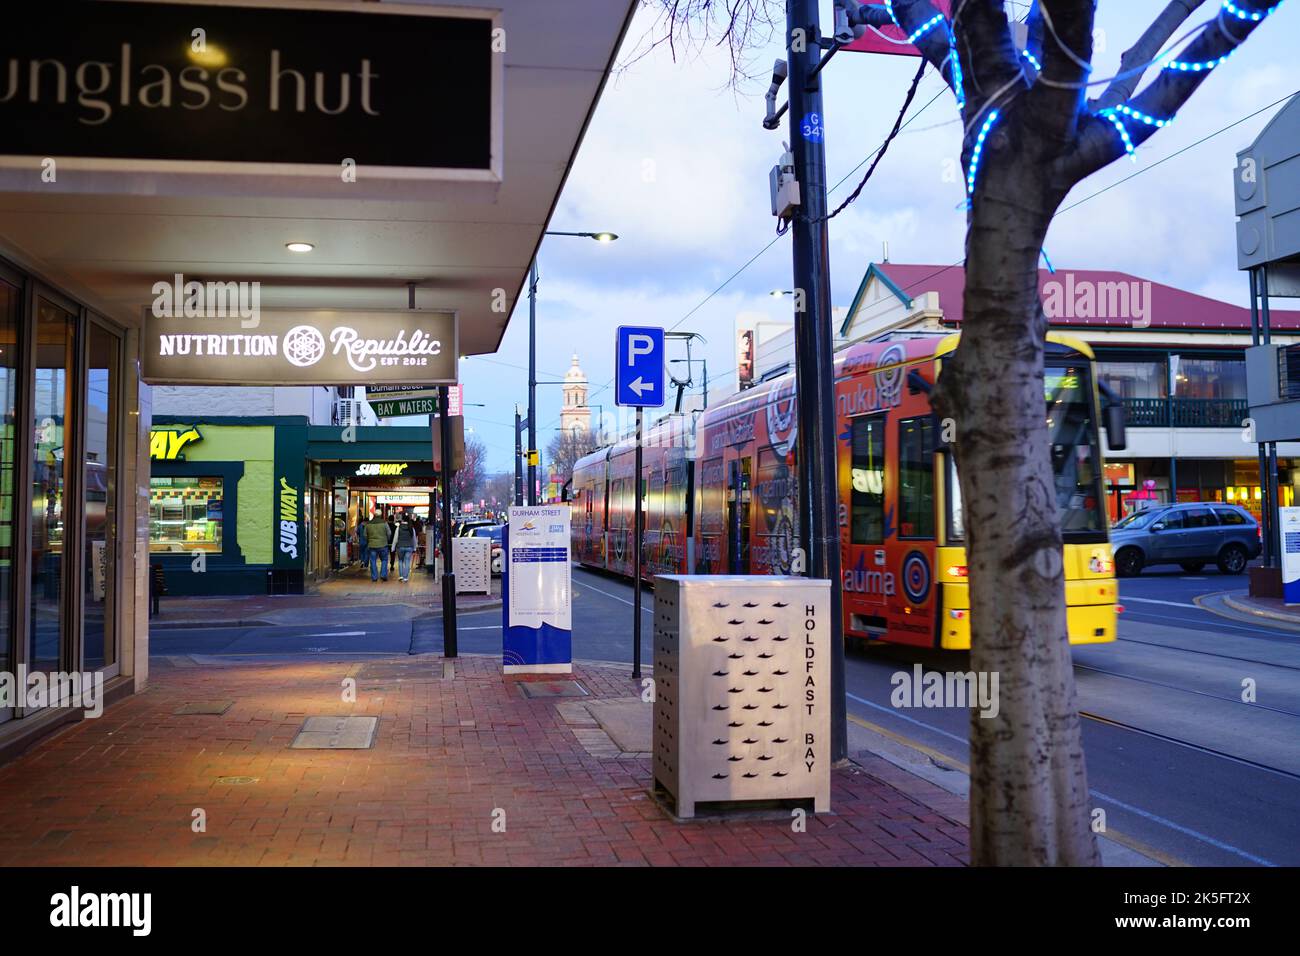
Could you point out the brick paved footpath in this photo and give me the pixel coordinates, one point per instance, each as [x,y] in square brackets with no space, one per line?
[350,588]
[122,789]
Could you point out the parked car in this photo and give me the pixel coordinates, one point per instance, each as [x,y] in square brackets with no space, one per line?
[467,527]
[1189,535]
[498,544]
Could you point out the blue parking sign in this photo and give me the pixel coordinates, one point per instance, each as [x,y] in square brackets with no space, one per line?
[639,367]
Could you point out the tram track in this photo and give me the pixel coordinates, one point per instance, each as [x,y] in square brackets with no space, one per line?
[1186,690]
[1216,654]
[1200,748]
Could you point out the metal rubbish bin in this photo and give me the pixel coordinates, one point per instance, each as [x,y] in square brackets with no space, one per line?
[742,689]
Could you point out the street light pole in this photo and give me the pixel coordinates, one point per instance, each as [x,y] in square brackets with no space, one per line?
[532,382]
[532,355]
[519,458]
[814,363]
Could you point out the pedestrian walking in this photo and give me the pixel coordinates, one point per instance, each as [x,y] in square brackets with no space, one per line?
[404,545]
[377,538]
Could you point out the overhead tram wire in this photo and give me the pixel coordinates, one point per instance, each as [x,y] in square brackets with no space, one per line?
[843,179]
[917,283]
[914,284]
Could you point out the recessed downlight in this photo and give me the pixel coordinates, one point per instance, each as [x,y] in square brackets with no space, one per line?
[299,246]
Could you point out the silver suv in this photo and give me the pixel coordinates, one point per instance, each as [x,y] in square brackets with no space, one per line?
[1189,535]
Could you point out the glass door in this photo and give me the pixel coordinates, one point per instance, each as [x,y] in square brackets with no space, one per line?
[99,495]
[10,302]
[52,425]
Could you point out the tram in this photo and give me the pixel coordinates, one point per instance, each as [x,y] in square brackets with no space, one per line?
[721,496]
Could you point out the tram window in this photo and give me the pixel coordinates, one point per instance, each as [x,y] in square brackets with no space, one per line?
[867,500]
[916,478]
[956,517]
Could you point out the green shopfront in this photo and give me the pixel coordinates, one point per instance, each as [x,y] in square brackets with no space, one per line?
[260,505]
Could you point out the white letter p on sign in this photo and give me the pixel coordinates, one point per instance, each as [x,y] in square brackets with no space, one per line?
[639,345]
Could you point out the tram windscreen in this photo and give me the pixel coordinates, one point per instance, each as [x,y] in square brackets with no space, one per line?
[1075,458]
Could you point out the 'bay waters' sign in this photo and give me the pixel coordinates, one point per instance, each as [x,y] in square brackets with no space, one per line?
[399,90]
[313,347]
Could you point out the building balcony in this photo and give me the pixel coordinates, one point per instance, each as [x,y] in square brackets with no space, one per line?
[1186,412]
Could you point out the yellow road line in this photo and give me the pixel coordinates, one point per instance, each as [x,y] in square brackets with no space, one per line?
[913,744]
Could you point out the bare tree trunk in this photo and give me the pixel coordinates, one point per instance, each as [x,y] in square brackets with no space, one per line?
[1029,787]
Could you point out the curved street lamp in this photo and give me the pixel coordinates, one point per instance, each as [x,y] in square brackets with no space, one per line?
[601,237]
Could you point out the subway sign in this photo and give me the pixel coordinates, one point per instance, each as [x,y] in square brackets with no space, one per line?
[338,90]
[368,469]
[167,444]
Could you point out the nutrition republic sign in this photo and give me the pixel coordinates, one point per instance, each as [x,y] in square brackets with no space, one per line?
[310,347]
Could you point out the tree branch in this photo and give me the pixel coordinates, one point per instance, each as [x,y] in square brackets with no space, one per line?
[1099,142]
[1143,52]
[990,62]
[1058,94]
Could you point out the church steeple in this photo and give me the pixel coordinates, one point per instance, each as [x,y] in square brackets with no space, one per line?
[575,416]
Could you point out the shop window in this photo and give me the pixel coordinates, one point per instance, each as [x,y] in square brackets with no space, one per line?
[52,425]
[867,473]
[916,478]
[99,489]
[1135,379]
[185,514]
[1202,378]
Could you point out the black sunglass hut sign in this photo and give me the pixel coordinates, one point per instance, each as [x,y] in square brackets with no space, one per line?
[290,347]
[405,92]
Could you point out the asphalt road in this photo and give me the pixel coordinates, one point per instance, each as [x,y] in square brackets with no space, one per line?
[1175,757]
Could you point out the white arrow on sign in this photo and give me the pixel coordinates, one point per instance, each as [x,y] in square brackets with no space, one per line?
[640,387]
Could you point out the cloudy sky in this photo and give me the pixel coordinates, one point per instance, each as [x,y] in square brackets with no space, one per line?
[676,161]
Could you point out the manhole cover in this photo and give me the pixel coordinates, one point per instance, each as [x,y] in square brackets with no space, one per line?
[236,781]
[552,688]
[336,733]
[214,707]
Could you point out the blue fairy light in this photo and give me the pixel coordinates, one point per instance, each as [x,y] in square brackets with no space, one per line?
[978,151]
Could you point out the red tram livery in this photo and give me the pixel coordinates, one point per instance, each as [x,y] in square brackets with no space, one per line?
[721,494]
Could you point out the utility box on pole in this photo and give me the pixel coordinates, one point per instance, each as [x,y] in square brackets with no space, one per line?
[742,689]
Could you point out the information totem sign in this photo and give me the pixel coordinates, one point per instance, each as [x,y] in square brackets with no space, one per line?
[1289,526]
[537,591]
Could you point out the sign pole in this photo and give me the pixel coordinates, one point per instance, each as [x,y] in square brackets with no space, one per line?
[448,575]
[636,561]
[639,364]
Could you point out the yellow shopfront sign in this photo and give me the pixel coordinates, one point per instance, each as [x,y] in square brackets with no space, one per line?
[165,444]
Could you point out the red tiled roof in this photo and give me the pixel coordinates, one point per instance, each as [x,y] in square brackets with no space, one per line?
[1164,306]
